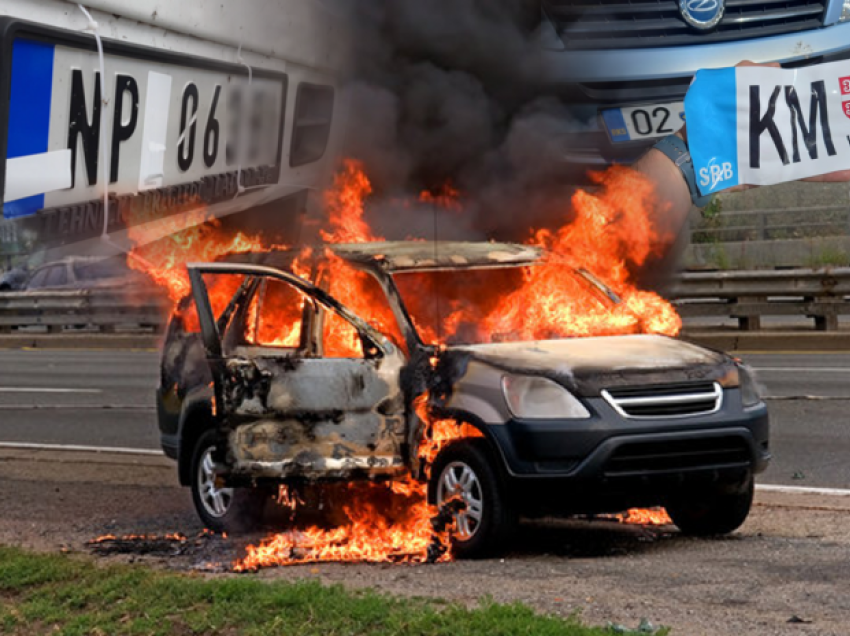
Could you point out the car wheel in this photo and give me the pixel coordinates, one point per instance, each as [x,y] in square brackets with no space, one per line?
[232,510]
[464,470]
[716,511]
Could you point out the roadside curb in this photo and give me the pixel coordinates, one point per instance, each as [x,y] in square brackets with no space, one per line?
[830,341]
[810,500]
[74,456]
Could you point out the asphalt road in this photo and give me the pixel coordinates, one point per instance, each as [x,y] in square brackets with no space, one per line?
[92,398]
[105,398]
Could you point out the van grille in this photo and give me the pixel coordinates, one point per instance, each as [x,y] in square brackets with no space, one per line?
[668,400]
[613,24]
[642,458]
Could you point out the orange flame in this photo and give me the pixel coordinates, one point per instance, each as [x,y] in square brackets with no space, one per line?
[386,522]
[437,434]
[345,204]
[193,238]
[645,517]
[446,196]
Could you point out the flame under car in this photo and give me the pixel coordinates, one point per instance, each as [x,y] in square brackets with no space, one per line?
[294,367]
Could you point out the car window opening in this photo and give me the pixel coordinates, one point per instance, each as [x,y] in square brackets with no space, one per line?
[470,306]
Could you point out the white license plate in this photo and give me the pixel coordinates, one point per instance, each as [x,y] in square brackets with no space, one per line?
[178,130]
[631,123]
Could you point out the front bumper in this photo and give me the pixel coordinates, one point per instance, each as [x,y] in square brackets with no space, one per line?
[609,448]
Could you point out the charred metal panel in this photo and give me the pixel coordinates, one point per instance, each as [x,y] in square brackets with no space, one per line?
[479,392]
[321,449]
[397,256]
[588,365]
[315,418]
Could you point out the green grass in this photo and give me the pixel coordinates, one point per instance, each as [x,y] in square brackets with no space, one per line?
[60,594]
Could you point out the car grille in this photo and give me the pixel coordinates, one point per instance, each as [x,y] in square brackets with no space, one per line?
[668,400]
[607,24]
[643,458]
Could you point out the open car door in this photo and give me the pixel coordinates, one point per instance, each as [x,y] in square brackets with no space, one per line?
[290,400]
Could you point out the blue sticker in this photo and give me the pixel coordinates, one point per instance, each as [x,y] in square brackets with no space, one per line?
[711,111]
[29,112]
[616,124]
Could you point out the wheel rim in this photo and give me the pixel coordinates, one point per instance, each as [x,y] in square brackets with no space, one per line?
[459,480]
[216,501]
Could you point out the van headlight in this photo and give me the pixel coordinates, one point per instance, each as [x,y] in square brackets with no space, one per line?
[535,398]
[845,12]
[750,395]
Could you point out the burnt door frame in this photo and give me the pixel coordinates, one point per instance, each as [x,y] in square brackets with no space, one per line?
[377,349]
[211,333]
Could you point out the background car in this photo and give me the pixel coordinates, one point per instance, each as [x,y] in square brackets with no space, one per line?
[14,279]
[83,272]
[624,67]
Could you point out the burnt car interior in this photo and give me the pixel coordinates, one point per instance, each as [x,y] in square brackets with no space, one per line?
[284,354]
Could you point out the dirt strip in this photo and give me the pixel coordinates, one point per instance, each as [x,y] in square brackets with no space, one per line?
[785,572]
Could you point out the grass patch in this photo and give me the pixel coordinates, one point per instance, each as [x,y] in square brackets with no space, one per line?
[60,594]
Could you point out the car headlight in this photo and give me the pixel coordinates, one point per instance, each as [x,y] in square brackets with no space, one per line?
[845,12]
[535,398]
[750,395]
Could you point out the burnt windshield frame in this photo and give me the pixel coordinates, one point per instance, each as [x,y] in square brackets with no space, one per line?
[604,293]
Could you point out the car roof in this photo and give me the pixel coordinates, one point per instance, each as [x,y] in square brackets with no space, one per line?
[401,256]
[422,255]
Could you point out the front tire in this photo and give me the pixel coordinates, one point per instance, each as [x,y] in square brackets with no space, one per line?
[719,510]
[233,510]
[464,469]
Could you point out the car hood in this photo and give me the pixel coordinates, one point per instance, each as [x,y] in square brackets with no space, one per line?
[591,364]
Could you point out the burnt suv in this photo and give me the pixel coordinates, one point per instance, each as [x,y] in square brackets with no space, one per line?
[274,377]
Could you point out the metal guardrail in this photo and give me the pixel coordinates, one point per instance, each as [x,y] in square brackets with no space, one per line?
[821,295]
[749,295]
[106,310]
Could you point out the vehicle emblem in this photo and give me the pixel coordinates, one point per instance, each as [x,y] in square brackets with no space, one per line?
[702,14]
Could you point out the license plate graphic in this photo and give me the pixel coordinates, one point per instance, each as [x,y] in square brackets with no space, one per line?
[174,126]
[643,122]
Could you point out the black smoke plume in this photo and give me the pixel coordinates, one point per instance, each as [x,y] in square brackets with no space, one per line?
[452,91]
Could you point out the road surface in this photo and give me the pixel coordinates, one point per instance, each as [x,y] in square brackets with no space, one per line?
[106,398]
[783,573]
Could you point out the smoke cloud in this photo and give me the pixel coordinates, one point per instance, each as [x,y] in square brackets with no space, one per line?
[448,91]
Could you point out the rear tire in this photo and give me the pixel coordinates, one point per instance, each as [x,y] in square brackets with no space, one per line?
[719,510]
[464,469]
[232,510]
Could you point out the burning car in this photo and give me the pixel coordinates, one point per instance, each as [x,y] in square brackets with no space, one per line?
[337,363]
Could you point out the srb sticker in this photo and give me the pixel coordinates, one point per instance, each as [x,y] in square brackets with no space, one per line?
[715,174]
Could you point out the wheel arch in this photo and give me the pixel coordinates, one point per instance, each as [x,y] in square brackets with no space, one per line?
[196,418]
[489,444]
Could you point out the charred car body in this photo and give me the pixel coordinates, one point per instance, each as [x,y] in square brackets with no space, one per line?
[269,379]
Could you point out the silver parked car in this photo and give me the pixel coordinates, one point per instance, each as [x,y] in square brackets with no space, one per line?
[85,272]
